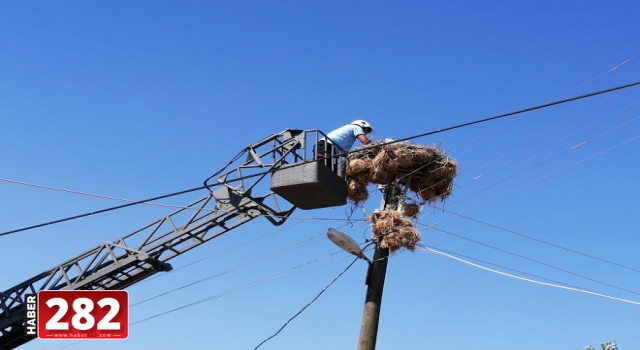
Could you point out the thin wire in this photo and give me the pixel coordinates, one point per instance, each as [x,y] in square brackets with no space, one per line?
[559,140]
[603,74]
[228,249]
[532,260]
[271,278]
[258,282]
[239,154]
[522,142]
[490,263]
[539,240]
[557,125]
[550,159]
[157,204]
[321,158]
[530,280]
[101,211]
[265,257]
[309,304]
[520,111]
[234,159]
[564,94]
[538,150]
[542,178]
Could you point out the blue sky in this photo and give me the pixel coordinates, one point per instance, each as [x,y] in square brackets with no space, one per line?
[139,99]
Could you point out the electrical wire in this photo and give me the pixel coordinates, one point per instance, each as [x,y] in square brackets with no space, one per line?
[600,92]
[560,140]
[241,152]
[263,258]
[530,280]
[531,153]
[561,96]
[158,204]
[560,124]
[282,228]
[573,148]
[520,111]
[603,74]
[100,211]
[234,159]
[255,283]
[492,264]
[309,304]
[524,141]
[531,260]
[271,278]
[542,178]
[540,240]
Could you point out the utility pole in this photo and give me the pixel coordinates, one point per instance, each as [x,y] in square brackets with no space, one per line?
[376,275]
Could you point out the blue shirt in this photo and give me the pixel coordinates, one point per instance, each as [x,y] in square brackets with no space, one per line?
[345,136]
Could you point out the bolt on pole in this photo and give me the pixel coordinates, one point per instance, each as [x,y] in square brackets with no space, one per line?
[376,276]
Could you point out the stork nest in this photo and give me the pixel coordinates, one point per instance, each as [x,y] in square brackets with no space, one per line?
[423,170]
[394,231]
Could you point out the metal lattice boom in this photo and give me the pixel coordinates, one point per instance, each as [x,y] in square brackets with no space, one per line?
[144,252]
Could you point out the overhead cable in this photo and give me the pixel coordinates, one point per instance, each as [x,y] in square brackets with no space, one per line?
[309,304]
[533,260]
[530,280]
[542,178]
[320,158]
[538,240]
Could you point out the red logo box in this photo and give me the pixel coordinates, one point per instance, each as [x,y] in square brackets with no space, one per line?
[83,314]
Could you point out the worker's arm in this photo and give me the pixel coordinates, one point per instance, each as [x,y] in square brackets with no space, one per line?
[364,139]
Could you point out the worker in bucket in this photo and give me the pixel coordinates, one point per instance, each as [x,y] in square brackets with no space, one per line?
[341,140]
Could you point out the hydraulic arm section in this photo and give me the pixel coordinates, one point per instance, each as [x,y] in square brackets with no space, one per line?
[142,253]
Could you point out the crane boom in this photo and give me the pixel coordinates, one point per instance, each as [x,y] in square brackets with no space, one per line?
[144,252]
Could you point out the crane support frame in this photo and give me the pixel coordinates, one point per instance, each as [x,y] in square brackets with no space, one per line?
[144,252]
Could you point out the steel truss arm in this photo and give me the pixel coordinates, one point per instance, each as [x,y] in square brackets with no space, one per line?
[144,252]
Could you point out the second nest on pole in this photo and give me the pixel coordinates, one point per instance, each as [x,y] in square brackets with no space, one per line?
[394,231]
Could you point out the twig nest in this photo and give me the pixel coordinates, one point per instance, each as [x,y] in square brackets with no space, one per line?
[411,210]
[357,191]
[394,230]
[359,167]
[424,170]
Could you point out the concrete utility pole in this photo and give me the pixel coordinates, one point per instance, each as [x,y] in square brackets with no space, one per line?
[375,277]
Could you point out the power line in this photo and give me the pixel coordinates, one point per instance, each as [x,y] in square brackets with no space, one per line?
[101,211]
[236,268]
[555,126]
[255,283]
[543,178]
[543,132]
[520,111]
[530,280]
[540,149]
[549,159]
[261,281]
[560,140]
[532,260]
[151,203]
[539,240]
[309,304]
[492,264]
[320,158]
[564,94]
[281,228]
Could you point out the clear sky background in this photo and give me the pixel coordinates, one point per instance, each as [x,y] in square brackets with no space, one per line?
[139,99]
